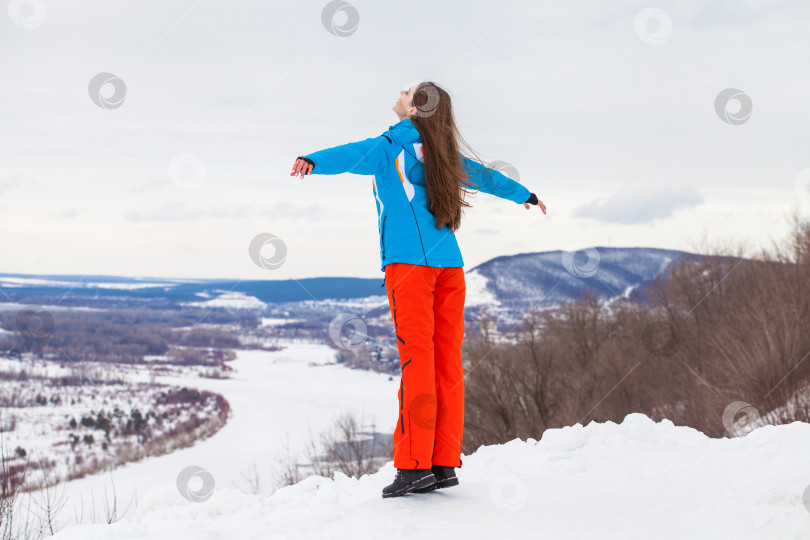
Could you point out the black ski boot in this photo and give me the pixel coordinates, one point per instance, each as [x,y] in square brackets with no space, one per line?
[445,477]
[408,480]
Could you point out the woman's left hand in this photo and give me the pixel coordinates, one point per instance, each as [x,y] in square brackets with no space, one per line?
[301,167]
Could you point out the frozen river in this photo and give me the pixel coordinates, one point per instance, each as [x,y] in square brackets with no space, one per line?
[274,396]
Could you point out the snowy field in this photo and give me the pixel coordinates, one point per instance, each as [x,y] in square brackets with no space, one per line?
[638,479]
[272,395]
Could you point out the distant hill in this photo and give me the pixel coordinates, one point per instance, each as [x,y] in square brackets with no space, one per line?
[509,284]
[514,283]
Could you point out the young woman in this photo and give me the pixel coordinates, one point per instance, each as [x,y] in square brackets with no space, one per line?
[419,178]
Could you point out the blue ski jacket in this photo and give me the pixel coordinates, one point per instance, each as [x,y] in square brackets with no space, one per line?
[407,229]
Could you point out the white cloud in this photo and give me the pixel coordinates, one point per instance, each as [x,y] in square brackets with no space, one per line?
[175,210]
[10,182]
[563,91]
[637,202]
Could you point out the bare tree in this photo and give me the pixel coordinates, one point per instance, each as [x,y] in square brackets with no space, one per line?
[289,472]
[345,448]
[715,329]
[252,479]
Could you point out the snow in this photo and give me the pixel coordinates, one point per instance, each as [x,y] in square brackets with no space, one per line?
[13,306]
[637,479]
[230,299]
[33,282]
[273,395]
[276,321]
[360,304]
[476,290]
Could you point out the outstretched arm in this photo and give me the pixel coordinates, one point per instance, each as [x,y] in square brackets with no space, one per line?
[493,182]
[361,157]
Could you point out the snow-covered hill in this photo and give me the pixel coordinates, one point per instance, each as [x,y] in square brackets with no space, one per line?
[512,284]
[635,480]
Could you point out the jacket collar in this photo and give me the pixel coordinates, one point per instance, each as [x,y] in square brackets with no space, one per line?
[405,134]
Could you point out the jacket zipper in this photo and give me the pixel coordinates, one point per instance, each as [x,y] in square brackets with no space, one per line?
[382,238]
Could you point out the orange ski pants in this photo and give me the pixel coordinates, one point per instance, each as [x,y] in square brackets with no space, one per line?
[427,306]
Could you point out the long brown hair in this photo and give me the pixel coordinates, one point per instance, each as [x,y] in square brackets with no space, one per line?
[446,180]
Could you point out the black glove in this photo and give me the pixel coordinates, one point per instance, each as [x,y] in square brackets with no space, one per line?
[532,199]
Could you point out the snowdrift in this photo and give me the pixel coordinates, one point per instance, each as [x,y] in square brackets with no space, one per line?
[638,479]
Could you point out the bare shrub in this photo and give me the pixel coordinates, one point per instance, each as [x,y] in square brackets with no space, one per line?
[40,517]
[288,472]
[343,447]
[714,330]
[253,479]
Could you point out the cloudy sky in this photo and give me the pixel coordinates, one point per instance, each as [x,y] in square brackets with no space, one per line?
[636,123]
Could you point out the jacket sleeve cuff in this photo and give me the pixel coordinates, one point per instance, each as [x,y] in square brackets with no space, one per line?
[532,199]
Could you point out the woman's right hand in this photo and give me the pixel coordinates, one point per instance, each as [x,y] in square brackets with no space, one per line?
[528,205]
[539,203]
